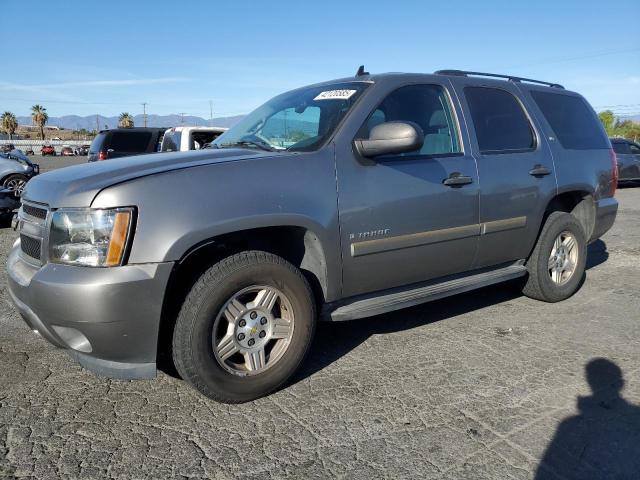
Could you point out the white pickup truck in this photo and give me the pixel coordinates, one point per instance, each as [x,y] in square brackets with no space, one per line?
[181,139]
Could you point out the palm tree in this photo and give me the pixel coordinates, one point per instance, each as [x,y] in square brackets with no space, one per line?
[125,120]
[9,123]
[39,117]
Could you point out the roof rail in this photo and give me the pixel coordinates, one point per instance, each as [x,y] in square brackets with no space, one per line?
[511,78]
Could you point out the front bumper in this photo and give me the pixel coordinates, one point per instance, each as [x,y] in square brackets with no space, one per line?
[106,318]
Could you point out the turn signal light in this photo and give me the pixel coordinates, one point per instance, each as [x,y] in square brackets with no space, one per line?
[118,239]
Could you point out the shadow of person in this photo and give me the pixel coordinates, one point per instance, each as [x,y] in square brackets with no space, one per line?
[603,440]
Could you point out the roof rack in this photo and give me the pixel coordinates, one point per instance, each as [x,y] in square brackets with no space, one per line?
[511,78]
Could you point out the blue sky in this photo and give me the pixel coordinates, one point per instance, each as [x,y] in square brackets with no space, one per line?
[108,57]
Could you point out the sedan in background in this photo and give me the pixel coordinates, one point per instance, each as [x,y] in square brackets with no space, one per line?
[628,156]
[67,151]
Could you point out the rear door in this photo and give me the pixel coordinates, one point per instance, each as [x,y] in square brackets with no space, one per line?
[626,163]
[515,170]
[635,154]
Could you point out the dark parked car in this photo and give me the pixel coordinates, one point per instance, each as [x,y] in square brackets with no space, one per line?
[337,201]
[15,171]
[47,150]
[7,147]
[628,155]
[82,150]
[123,142]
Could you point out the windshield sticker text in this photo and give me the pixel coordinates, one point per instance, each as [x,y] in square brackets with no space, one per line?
[335,95]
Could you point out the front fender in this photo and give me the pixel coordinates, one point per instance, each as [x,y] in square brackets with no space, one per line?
[180,209]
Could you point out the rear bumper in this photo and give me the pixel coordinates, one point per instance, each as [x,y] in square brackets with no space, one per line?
[105,318]
[606,211]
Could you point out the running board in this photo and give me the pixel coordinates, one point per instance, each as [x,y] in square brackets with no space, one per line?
[387,302]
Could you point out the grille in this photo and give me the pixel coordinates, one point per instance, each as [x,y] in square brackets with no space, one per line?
[40,213]
[30,246]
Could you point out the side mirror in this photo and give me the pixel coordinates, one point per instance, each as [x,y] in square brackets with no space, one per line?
[389,138]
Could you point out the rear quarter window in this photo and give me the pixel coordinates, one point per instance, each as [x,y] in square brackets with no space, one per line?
[621,148]
[96,145]
[573,122]
[171,141]
[130,141]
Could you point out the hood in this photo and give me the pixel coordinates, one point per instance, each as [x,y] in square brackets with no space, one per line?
[77,186]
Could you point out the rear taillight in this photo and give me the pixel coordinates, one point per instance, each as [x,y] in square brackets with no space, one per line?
[102,155]
[614,171]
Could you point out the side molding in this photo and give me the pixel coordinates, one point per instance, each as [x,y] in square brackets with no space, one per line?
[398,242]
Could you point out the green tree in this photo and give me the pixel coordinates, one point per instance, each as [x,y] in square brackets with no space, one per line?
[39,117]
[608,121]
[125,120]
[9,123]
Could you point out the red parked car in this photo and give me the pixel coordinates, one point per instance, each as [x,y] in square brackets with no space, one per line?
[47,150]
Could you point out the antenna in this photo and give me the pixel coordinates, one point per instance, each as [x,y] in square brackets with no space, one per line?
[361,71]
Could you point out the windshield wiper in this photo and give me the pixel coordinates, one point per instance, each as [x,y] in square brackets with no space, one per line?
[249,143]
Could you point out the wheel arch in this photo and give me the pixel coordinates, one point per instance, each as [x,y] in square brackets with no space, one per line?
[580,203]
[297,244]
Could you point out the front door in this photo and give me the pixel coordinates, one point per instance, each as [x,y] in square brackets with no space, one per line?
[400,223]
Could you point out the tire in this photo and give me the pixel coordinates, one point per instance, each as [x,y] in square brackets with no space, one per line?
[15,182]
[551,284]
[201,320]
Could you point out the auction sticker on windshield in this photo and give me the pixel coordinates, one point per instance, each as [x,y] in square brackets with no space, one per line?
[335,95]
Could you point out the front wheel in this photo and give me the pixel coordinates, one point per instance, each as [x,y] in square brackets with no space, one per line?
[557,265]
[244,328]
[15,183]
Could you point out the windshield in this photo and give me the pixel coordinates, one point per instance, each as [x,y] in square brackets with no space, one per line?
[295,121]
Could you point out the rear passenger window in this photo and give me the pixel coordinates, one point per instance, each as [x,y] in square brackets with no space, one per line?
[572,121]
[634,149]
[621,148]
[130,141]
[428,107]
[499,120]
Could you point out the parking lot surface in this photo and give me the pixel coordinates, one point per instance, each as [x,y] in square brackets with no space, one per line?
[489,384]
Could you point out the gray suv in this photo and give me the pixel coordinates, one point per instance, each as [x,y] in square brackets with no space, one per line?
[337,201]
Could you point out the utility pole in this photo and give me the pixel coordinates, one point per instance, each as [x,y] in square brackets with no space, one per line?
[210,113]
[97,124]
[144,113]
[181,118]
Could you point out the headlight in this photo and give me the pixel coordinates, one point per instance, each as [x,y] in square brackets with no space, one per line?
[88,237]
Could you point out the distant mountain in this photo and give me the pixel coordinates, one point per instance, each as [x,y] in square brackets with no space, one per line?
[75,122]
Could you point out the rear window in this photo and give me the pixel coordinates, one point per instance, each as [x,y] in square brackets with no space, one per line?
[130,141]
[572,120]
[96,145]
[171,141]
[499,120]
[621,148]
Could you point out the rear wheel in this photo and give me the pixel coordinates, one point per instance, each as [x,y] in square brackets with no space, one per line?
[557,264]
[244,328]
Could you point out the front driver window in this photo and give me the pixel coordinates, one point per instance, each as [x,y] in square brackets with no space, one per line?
[428,107]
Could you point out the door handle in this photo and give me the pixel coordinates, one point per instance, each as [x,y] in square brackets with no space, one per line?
[539,171]
[456,179]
